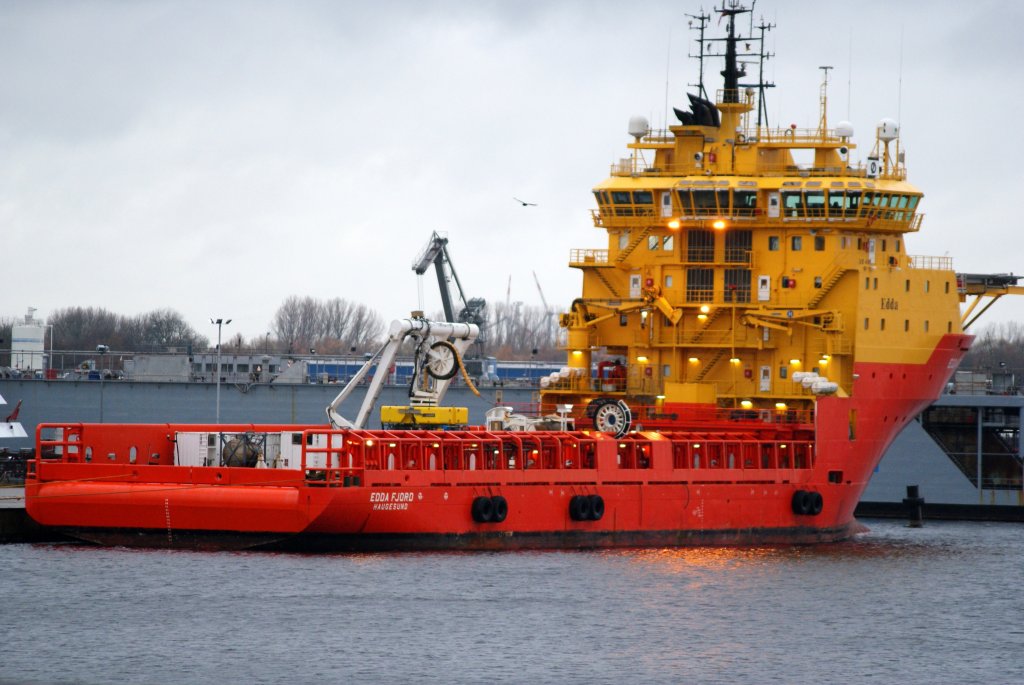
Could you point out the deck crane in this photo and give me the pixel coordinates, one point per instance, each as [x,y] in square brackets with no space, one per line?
[474,309]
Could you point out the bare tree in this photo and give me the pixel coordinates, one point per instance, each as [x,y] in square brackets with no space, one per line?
[332,327]
[516,330]
[81,328]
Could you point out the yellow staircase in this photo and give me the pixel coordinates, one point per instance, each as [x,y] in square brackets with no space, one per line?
[711,364]
[604,279]
[826,285]
[632,245]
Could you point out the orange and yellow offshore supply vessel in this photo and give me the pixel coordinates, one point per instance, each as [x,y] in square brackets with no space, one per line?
[745,348]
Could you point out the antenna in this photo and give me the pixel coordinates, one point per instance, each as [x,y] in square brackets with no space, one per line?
[823,122]
[702,20]
[849,76]
[899,86]
[668,68]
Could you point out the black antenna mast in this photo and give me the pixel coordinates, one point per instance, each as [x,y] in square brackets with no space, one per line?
[702,23]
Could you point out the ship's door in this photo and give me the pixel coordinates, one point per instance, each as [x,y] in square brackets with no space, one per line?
[766,379]
[666,204]
[871,251]
[773,205]
[764,288]
[634,285]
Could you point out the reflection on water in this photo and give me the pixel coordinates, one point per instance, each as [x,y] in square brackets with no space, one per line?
[937,604]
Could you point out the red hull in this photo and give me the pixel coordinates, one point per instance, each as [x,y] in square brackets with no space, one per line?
[731,483]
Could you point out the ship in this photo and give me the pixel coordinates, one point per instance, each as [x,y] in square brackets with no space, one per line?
[746,345]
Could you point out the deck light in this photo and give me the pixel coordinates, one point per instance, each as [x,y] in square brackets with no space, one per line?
[704,309]
[718,225]
[734,360]
[746,404]
[780,405]
[794,362]
[702,317]
[674,224]
[694,360]
[641,359]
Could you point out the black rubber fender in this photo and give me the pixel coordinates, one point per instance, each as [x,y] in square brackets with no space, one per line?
[483,510]
[579,508]
[499,509]
[596,507]
[802,501]
[817,503]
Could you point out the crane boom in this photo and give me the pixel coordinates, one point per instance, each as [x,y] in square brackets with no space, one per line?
[473,309]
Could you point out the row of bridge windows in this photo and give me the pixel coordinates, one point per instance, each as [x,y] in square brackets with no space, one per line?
[796,203]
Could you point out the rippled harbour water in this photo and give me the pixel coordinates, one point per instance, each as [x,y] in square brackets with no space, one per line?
[938,604]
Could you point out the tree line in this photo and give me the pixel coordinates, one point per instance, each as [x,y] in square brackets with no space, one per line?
[300,324]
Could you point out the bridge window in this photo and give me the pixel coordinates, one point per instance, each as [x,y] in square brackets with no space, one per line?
[623,203]
[819,243]
[643,197]
[815,203]
[773,243]
[843,204]
[705,202]
[793,203]
[796,243]
[744,202]
[653,242]
[686,203]
[668,242]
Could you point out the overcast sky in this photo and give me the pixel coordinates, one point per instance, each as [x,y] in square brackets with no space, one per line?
[217,157]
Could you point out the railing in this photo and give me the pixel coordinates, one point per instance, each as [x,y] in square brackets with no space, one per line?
[588,256]
[931,263]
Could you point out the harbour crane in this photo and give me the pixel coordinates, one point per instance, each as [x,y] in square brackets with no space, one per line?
[474,309]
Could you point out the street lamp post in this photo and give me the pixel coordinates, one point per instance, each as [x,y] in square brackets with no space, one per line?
[220,323]
[102,349]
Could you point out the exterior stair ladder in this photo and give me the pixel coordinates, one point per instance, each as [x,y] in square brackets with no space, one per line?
[601,277]
[832,279]
[623,254]
[711,364]
[707,325]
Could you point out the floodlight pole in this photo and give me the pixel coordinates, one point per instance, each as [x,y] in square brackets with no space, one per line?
[220,323]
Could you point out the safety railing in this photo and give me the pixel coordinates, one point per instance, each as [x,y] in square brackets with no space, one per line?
[931,263]
[588,256]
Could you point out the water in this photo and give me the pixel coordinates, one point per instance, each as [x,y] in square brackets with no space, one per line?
[938,604]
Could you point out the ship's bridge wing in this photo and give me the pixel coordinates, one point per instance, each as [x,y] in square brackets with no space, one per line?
[981,286]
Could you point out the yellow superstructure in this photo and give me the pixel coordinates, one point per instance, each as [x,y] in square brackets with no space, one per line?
[738,255]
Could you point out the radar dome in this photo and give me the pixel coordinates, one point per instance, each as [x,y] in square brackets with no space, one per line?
[638,127]
[844,129]
[888,130]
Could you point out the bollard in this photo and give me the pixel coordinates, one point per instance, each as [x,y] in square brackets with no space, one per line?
[915,507]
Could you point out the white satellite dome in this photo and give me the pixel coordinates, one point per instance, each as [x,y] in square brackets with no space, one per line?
[888,130]
[844,129]
[639,127]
